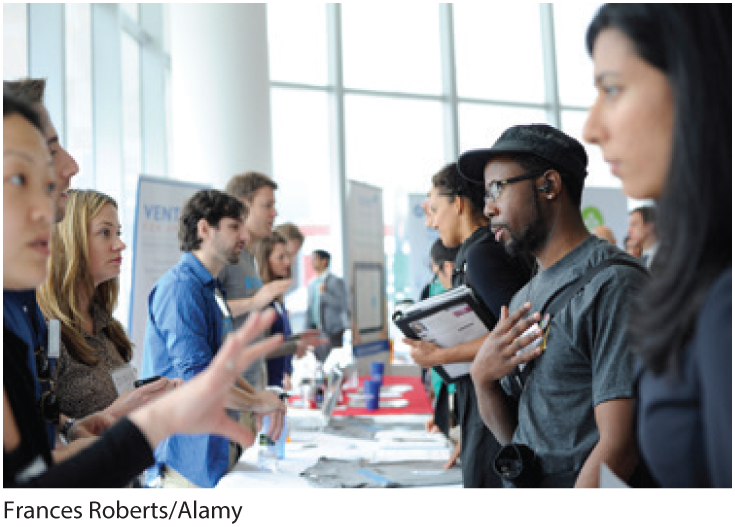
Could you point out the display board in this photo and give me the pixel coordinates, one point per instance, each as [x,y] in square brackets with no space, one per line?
[366,261]
[158,203]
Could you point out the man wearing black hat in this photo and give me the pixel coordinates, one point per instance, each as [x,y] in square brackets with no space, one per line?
[574,406]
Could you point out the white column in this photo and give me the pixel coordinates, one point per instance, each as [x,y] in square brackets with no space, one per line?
[153,92]
[46,59]
[220,91]
[107,115]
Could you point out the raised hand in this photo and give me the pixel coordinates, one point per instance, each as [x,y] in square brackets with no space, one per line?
[498,355]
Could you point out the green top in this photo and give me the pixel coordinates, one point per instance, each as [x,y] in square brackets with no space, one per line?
[435,288]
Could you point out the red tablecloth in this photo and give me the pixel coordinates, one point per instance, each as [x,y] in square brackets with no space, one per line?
[418,402]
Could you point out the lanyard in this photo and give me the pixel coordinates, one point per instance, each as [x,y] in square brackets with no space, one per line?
[227,324]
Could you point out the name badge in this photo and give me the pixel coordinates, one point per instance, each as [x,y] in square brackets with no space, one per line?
[544,327]
[226,313]
[124,377]
[54,339]
[223,307]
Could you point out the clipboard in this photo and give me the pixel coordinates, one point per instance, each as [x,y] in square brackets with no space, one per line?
[448,319]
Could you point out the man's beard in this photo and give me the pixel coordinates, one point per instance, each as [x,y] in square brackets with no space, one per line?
[533,237]
[230,256]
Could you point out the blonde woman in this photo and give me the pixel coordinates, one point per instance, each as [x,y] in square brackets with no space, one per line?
[81,291]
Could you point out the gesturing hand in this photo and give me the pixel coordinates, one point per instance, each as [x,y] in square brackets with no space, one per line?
[271,290]
[498,355]
[198,407]
[137,397]
[91,426]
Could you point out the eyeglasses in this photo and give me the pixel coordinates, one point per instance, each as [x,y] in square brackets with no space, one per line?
[495,187]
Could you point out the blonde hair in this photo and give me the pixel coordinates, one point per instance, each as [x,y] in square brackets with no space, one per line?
[263,251]
[70,278]
[290,231]
[244,186]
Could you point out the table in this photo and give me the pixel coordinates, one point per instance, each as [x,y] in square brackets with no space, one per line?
[306,447]
[418,401]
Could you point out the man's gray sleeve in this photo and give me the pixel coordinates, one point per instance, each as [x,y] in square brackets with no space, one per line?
[611,358]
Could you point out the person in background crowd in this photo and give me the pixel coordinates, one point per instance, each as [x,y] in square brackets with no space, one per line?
[605,233]
[442,265]
[294,239]
[81,292]
[482,264]
[631,247]
[125,448]
[294,242]
[328,306]
[274,263]
[663,119]
[642,231]
[575,409]
[241,281]
[188,319]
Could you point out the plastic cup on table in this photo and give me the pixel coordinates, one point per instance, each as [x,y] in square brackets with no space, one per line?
[371,391]
[376,371]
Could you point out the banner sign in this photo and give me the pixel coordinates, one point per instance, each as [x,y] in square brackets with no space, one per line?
[366,254]
[158,204]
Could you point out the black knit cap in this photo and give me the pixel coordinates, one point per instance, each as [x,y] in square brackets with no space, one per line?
[563,152]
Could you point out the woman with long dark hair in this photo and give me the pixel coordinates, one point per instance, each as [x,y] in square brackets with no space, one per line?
[663,118]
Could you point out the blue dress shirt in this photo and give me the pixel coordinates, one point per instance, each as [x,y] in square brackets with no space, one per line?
[18,308]
[183,332]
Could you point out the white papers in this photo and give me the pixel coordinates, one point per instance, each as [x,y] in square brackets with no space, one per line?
[532,345]
[124,377]
[451,327]
[610,480]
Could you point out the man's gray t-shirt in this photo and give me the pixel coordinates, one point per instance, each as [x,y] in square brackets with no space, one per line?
[241,280]
[587,359]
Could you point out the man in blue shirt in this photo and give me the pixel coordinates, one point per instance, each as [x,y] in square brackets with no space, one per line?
[187,320]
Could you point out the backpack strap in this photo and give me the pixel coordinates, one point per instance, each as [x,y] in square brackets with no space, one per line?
[558,301]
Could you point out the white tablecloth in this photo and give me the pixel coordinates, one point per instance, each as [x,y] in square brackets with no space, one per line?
[307,446]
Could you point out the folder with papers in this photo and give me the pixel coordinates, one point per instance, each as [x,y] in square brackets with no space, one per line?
[448,319]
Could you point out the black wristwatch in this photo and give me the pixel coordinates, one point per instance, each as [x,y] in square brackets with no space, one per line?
[64,432]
